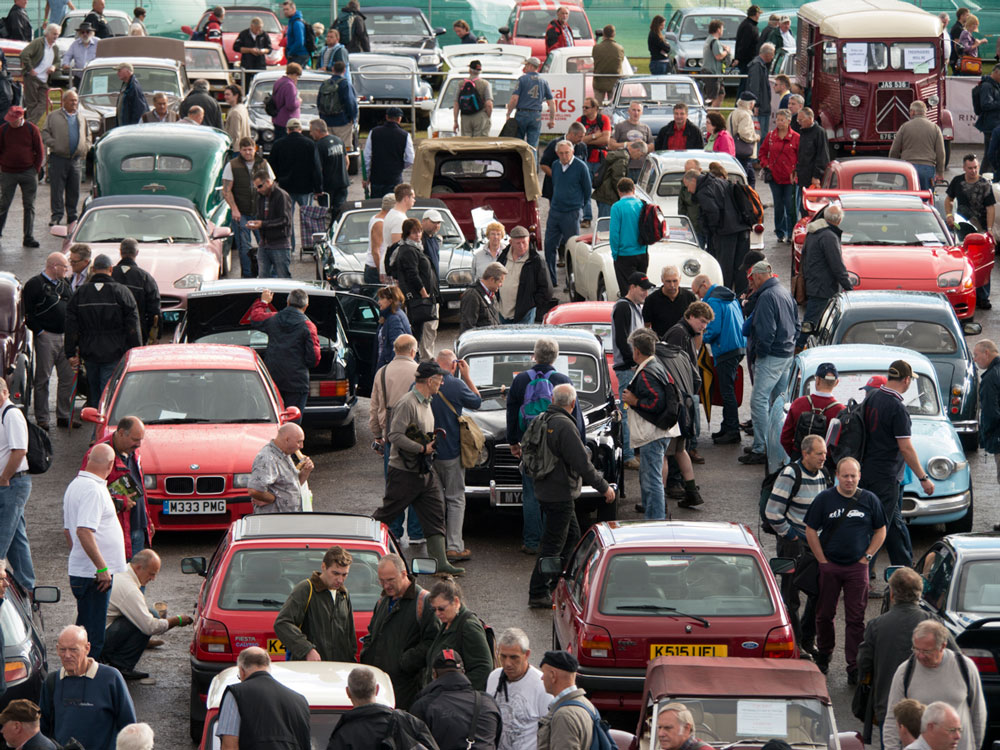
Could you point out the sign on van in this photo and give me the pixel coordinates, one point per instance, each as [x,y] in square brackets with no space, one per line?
[568,91]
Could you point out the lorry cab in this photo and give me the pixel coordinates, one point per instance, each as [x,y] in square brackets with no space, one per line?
[861,87]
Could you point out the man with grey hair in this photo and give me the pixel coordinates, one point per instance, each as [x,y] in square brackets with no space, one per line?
[935,672]
[67,137]
[200,96]
[143,286]
[940,728]
[529,287]
[39,59]
[479,301]
[675,729]
[548,157]
[571,189]
[920,142]
[795,104]
[558,490]
[135,737]
[517,688]
[519,415]
[275,484]
[292,344]
[758,83]
[987,359]
[368,723]
[822,266]
[814,154]
[132,104]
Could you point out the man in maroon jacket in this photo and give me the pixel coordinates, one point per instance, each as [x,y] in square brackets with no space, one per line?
[21,158]
[820,401]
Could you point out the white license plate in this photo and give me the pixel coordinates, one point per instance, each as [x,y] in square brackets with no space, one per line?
[454,304]
[183,507]
[510,498]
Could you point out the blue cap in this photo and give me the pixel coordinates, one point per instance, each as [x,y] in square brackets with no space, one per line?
[827,371]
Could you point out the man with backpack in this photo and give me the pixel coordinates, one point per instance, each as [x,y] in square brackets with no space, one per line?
[627,250]
[458,716]
[338,105]
[787,503]
[722,222]
[351,25]
[811,414]
[626,317]
[822,267]
[372,724]
[572,720]
[474,103]
[15,488]
[299,41]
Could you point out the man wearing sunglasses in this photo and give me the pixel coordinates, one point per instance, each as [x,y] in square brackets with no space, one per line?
[274,220]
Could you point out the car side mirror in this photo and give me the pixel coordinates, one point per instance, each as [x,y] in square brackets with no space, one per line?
[975,240]
[438,31]
[290,414]
[318,238]
[90,414]
[46,594]
[220,233]
[781,566]
[423,566]
[196,565]
[551,566]
[58,230]
[890,570]
[505,30]
[972,328]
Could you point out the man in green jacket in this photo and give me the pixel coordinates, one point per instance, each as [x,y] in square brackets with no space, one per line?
[39,60]
[316,622]
[402,629]
[614,168]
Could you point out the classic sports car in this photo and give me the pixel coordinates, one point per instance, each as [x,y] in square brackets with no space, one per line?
[340,258]
[687,29]
[588,316]
[118,22]
[897,241]
[346,326]
[924,322]
[22,642]
[658,95]
[590,270]
[934,438]
[632,591]
[194,398]
[530,18]
[404,32]
[869,174]
[16,342]
[236,20]
[495,355]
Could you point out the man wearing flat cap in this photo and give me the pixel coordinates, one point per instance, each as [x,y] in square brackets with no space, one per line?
[21,728]
[569,724]
[449,705]
[410,479]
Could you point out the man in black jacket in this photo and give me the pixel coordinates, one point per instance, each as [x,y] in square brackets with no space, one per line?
[728,236]
[530,287]
[333,163]
[747,41]
[759,84]
[557,491]
[388,151]
[199,96]
[102,323]
[274,221]
[458,715]
[988,360]
[822,267]
[96,19]
[45,297]
[626,316]
[367,724]
[295,161]
[17,23]
[814,154]
[252,45]
[415,276]
[681,134]
[479,301]
[141,283]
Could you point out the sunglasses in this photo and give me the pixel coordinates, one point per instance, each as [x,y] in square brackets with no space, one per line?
[258,187]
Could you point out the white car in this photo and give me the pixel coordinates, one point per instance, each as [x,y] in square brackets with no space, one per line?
[578,60]
[118,22]
[590,271]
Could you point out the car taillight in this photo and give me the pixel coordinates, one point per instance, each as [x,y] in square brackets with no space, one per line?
[983,660]
[780,643]
[213,637]
[329,388]
[15,670]
[758,229]
[596,643]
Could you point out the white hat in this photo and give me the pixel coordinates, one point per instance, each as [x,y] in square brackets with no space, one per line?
[433,215]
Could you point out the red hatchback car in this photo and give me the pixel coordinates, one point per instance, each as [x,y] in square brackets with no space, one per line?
[238,18]
[633,591]
[208,410]
[589,316]
[530,18]
[252,572]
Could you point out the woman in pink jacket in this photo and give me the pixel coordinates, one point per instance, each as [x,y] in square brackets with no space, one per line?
[719,138]
[285,96]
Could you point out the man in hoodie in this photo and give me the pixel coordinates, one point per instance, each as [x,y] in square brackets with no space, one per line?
[726,231]
[454,711]
[724,335]
[822,267]
[368,723]
[351,25]
[292,344]
[295,49]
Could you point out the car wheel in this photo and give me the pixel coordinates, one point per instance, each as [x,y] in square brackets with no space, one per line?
[555,639]
[353,165]
[343,437]
[970,442]
[574,296]
[197,726]
[602,292]
[964,524]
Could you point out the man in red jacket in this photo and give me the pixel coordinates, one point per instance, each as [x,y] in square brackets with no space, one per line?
[559,34]
[820,401]
[21,158]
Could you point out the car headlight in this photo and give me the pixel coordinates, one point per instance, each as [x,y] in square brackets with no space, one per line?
[854,101]
[940,467]
[853,278]
[350,279]
[188,281]
[149,481]
[254,133]
[459,277]
[950,278]
[854,134]
[267,135]
[692,267]
[240,481]
[427,60]
[933,100]
[694,62]
[94,125]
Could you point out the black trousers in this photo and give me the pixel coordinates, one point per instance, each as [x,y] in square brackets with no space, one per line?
[123,644]
[804,627]
[625,266]
[422,491]
[560,534]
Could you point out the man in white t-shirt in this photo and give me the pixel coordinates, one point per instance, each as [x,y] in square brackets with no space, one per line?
[97,543]
[15,487]
[377,241]
[392,227]
[518,690]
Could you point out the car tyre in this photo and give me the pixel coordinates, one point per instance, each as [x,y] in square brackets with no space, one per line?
[964,524]
[197,726]
[602,291]
[344,437]
[574,296]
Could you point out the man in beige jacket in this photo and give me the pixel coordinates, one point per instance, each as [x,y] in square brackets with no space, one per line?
[564,727]
[67,138]
[920,142]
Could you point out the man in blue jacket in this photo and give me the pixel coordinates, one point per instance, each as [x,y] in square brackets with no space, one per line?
[627,252]
[132,103]
[725,335]
[295,46]
[341,120]
[773,329]
[571,188]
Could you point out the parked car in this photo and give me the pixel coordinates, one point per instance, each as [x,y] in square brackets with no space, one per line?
[176,245]
[892,241]
[934,437]
[590,270]
[687,29]
[322,684]
[236,20]
[588,316]
[658,95]
[22,640]
[404,31]
[633,591]
[118,22]
[346,326]
[495,355]
[16,342]
[726,696]
[529,19]
[924,322]
[340,257]
[253,570]
[12,49]
[870,173]
[468,173]
[207,60]
[383,80]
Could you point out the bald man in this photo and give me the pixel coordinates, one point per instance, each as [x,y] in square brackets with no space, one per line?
[45,297]
[97,543]
[195,116]
[276,481]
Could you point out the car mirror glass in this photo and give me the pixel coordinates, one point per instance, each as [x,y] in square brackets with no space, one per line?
[46,594]
[195,565]
[423,566]
[972,329]
[550,565]
[782,565]
[890,570]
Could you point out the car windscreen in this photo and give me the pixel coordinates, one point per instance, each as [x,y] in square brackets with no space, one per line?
[670,183]
[879,181]
[652,584]
[979,587]
[237,20]
[117,24]
[204,59]
[601,330]
[861,57]
[261,579]
[396,24]
[921,399]
[503,88]
[100,85]
[490,370]
[658,92]
[532,24]
[352,234]
[153,224]
[800,722]
[308,91]
[461,173]
[695,28]
[892,228]
[193,396]
[922,336]
[321,725]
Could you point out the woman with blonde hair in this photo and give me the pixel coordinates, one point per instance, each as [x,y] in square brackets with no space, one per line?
[488,253]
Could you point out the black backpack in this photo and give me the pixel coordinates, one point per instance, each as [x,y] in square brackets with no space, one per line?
[39,446]
[853,437]
[469,101]
[651,224]
[308,38]
[977,105]
[768,485]
[270,106]
[390,259]
[812,422]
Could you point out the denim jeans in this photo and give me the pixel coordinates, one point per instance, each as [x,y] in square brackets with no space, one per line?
[243,243]
[274,263]
[562,532]
[770,377]
[303,199]
[371,275]
[98,375]
[624,378]
[13,532]
[527,320]
[764,121]
[897,535]
[531,512]
[91,609]
[925,173]
[659,67]
[558,229]
[725,370]
[853,581]
[784,209]
[123,644]
[747,163]
[651,478]
[529,126]
[603,209]
[409,516]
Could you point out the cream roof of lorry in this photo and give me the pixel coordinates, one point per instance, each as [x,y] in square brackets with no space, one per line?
[868,19]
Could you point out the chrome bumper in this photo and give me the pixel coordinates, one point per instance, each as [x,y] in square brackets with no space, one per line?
[934,506]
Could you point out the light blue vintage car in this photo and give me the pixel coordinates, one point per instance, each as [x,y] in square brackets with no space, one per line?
[934,436]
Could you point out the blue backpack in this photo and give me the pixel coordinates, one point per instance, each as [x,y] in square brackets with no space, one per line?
[537,397]
[601,737]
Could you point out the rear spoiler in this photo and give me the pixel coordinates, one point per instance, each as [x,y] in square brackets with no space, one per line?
[815,198]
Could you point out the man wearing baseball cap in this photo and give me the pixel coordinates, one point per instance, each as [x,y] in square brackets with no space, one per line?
[454,711]
[569,724]
[474,103]
[21,728]
[626,316]
[527,99]
[22,155]
[810,414]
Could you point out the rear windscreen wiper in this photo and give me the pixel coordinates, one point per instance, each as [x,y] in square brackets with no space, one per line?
[266,602]
[663,608]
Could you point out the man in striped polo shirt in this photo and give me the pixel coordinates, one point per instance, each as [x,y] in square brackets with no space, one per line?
[793,492]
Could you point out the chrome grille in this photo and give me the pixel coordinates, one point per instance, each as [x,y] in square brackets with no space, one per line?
[506,468]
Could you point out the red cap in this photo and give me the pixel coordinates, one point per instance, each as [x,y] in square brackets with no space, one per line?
[875,381]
